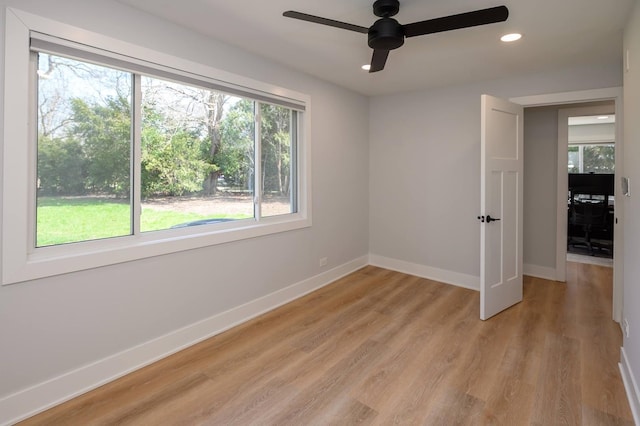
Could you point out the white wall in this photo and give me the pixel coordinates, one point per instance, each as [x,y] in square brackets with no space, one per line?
[592,133]
[425,170]
[631,307]
[52,326]
[540,186]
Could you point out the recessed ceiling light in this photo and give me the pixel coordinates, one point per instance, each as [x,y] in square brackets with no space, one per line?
[511,37]
[366,67]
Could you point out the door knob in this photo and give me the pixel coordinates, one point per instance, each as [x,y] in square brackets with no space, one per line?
[491,219]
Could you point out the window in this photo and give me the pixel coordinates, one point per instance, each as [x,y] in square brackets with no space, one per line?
[132,159]
[197,154]
[592,158]
[84,146]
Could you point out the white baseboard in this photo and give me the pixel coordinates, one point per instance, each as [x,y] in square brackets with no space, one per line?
[539,272]
[454,278]
[30,401]
[630,385]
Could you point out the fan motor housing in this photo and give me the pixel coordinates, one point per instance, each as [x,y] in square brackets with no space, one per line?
[386,34]
[386,8]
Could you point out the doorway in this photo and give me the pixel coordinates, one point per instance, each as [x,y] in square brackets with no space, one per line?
[587,140]
[557,172]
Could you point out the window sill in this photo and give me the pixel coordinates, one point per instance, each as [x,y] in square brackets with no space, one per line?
[56,260]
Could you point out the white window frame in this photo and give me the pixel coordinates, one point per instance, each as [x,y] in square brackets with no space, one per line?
[20,260]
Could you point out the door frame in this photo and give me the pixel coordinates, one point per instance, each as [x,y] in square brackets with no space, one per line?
[566,98]
[563,179]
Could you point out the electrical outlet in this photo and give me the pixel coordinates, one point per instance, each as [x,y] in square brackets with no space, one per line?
[625,326]
[323,261]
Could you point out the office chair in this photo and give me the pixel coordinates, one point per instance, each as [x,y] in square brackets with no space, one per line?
[588,217]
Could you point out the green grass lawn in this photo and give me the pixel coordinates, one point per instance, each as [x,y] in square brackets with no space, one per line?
[67,220]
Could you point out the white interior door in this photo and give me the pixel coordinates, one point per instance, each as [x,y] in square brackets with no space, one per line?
[500,205]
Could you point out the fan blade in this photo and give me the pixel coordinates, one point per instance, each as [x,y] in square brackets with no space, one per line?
[325,21]
[455,22]
[378,60]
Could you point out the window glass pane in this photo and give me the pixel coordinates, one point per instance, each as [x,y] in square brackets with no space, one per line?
[574,159]
[599,158]
[84,151]
[197,156]
[277,144]
[592,158]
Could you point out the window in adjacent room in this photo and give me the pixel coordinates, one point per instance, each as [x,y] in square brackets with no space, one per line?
[592,144]
[592,158]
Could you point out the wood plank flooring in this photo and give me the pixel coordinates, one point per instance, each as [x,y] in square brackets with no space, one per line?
[380,347]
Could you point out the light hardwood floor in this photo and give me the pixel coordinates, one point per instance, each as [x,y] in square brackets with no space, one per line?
[381,347]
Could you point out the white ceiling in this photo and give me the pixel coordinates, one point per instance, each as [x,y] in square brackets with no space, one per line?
[556,34]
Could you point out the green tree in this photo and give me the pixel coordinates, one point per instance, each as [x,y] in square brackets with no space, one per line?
[236,151]
[276,148]
[171,165]
[213,104]
[61,166]
[173,158]
[599,158]
[104,130]
[235,155]
[188,110]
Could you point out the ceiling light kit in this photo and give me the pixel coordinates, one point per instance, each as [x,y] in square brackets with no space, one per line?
[387,34]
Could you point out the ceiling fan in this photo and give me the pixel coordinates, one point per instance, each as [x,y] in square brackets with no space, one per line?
[387,34]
